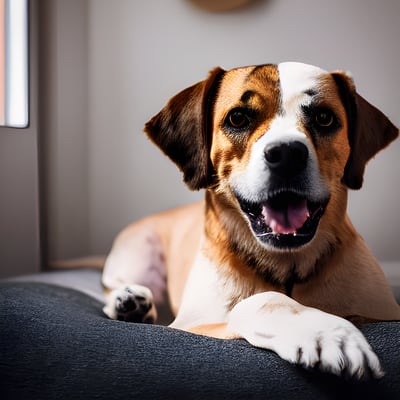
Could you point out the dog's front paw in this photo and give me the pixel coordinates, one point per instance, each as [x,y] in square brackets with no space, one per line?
[132,303]
[304,335]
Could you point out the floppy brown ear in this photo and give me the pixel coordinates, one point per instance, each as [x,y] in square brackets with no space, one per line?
[369,130]
[182,130]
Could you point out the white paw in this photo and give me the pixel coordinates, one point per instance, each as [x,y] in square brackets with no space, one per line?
[132,303]
[304,335]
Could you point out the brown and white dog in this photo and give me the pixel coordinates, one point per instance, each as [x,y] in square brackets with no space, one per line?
[271,255]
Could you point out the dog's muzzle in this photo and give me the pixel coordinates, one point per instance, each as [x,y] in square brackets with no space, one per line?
[284,220]
[289,216]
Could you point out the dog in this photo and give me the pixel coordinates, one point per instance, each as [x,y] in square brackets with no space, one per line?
[270,255]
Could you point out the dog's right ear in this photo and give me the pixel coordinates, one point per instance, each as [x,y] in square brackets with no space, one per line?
[182,130]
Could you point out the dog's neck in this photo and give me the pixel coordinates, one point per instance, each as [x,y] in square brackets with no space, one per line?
[237,257]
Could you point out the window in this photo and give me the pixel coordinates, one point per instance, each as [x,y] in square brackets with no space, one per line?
[14,92]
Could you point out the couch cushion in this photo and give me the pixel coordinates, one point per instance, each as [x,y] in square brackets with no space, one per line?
[55,343]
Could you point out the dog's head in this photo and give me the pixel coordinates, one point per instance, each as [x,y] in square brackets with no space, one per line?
[283,142]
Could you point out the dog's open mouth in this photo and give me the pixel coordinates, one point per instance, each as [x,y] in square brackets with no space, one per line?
[285,219]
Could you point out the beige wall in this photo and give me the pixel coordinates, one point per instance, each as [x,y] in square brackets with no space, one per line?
[135,55]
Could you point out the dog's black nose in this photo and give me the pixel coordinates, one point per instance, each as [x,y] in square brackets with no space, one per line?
[287,159]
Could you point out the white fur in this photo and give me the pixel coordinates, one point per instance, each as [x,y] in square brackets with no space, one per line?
[137,258]
[122,294]
[295,79]
[303,335]
[202,301]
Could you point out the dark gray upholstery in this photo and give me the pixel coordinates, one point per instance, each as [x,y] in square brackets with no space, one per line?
[55,343]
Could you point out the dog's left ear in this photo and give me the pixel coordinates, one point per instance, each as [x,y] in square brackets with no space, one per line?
[369,130]
[182,130]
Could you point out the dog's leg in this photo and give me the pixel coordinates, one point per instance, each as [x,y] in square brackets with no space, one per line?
[131,303]
[304,335]
[135,275]
[301,335]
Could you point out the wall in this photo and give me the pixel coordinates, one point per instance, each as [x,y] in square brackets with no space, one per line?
[64,127]
[19,183]
[139,54]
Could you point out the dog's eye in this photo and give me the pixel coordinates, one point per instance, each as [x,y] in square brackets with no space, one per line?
[321,121]
[324,118]
[237,119]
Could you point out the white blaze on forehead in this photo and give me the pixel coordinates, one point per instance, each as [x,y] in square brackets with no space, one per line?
[297,82]
[296,79]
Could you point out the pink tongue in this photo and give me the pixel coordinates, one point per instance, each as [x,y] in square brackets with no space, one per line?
[286,220]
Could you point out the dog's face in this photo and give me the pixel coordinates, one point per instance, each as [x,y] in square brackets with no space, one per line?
[274,129]
[281,143]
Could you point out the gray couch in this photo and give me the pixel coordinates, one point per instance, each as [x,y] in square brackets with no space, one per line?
[55,343]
